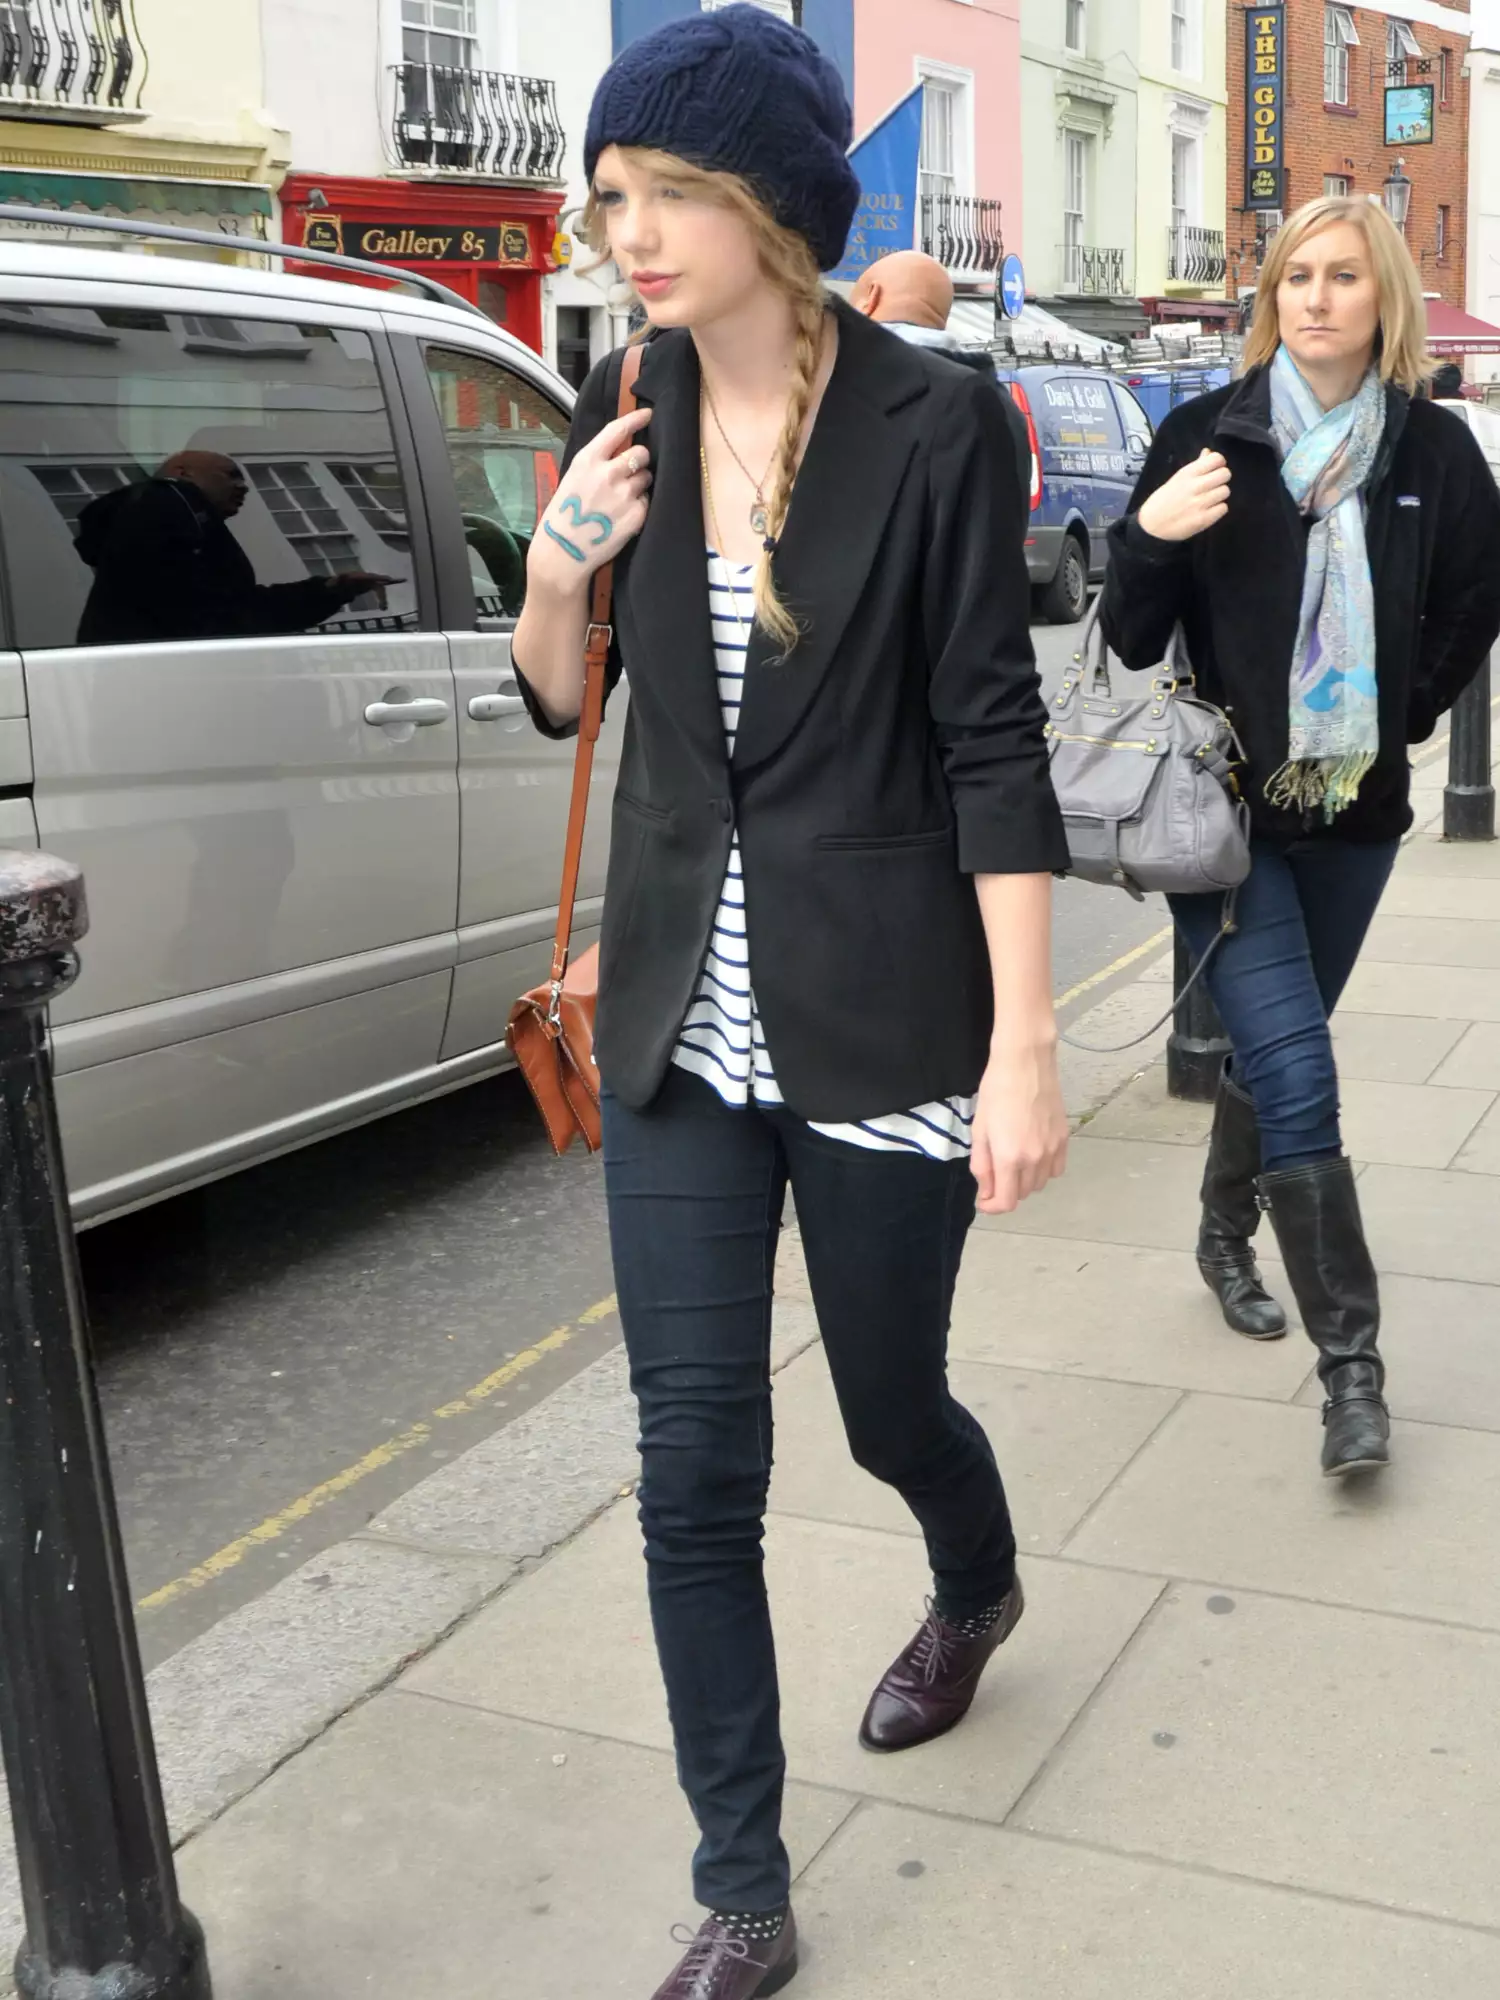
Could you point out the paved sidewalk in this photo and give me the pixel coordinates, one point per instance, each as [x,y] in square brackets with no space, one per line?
[1245,1741]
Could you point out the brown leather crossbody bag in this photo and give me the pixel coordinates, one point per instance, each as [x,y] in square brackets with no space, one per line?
[551,1028]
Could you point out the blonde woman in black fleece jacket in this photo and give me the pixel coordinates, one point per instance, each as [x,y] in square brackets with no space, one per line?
[1330,544]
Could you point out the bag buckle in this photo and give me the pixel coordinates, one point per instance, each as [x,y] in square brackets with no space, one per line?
[554,1006]
[608,632]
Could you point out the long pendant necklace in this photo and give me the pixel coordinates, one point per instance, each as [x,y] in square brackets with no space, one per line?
[760,513]
[713,522]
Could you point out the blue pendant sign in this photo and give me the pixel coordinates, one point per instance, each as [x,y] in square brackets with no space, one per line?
[886,162]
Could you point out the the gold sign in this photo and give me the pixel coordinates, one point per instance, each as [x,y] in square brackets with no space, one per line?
[562,249]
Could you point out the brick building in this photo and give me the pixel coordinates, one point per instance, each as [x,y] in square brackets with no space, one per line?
[1337,64]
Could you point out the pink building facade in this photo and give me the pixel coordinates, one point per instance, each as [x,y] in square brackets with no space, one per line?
[968,55]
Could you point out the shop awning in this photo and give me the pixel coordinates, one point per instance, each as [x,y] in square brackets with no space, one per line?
[132,194]
[972,321]
[1453,331]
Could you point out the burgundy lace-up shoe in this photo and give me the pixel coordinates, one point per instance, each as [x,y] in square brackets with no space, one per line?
[929,1687]
[720,1966]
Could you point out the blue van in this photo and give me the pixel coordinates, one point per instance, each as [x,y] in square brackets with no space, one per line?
[1161,389]
[1089,439]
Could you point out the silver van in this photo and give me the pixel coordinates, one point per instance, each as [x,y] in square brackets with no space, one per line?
[262,547]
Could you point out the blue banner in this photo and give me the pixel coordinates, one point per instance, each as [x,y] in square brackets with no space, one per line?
[886,163]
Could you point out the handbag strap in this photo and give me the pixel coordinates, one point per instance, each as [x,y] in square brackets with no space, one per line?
[591,717]
[1092,657]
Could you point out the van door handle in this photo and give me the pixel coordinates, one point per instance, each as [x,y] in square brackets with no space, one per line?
[490,707]
[424,711]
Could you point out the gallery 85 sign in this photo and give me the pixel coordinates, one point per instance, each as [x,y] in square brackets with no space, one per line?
[1265,93]
[431,243]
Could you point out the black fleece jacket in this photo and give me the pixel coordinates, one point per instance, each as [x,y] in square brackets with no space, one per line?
[1433,534]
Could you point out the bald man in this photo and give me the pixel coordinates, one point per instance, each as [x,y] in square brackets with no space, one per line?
[912,294]
[166,566]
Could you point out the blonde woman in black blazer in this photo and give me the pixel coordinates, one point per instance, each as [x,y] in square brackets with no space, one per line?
[833,778]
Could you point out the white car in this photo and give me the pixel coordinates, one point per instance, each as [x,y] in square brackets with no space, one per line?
[321,841]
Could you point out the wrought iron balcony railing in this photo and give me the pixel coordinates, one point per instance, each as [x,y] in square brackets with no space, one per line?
[963,232]
[1195,256]
[1093,272]
[477,121]
[71,62]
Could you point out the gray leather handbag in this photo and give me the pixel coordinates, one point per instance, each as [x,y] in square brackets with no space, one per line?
[1146,781]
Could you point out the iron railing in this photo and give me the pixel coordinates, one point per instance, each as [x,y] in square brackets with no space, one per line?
[1195,256]
[963,232]
[477,121]
[1093,272]
[70,58]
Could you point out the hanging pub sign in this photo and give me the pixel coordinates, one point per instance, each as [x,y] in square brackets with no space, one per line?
[438,242]
[1408,115]
[1265,106]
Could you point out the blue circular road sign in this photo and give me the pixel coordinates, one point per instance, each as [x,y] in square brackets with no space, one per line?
[1012,287]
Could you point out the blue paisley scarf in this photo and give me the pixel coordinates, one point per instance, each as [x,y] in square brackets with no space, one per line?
[1326,460]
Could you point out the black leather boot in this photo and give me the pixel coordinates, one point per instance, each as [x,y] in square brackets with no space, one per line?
[1315,1213]
[1231,1214]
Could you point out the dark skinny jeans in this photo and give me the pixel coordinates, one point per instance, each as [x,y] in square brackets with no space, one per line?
[1303,914]
[696,1192]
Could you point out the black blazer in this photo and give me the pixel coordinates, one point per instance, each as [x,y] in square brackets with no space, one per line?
[1433,534]
[897,752]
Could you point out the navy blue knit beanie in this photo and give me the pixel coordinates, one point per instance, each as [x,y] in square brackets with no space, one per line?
[739,91]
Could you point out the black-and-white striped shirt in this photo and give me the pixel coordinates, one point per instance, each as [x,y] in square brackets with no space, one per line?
[722,1039]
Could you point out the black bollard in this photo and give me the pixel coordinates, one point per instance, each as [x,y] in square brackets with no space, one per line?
[1197,1045]
[1469,795]
[98,1885]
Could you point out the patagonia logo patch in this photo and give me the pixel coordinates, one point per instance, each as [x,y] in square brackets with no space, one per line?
[1408,500]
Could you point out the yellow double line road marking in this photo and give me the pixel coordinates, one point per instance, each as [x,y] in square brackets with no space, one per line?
[1106,972]
[279,1524]
[1439,749]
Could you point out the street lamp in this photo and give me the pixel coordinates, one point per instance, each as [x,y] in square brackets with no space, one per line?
[1396,194]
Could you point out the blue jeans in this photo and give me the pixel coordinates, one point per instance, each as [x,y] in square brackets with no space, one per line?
[695,1194]
[1303,913]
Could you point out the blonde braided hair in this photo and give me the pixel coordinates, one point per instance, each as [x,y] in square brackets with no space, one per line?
[788,261]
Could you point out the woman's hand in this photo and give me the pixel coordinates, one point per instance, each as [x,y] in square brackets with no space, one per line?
[1193,499]
[598,507]
[1020,1127]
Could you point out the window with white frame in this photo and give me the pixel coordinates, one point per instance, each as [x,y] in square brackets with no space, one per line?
[1075,206]
[1076,25]
[1401,46]
[1337,184]
[1339,36]
[1187,37]
[944,105]
[1444,228]
[441,31]
[1445,76]
[1186,180]
[786,9]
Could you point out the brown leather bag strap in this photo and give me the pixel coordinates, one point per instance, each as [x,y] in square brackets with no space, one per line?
[591,716]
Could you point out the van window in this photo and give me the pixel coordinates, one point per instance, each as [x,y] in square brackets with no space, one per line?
[1137,423]
[506,440]
[170,476]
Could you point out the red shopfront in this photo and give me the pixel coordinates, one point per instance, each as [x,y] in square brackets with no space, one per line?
[493,245]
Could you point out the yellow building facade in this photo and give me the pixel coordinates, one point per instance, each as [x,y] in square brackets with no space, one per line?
[149,109]
[1180,158]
